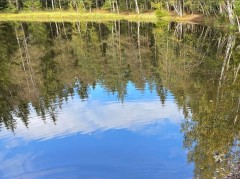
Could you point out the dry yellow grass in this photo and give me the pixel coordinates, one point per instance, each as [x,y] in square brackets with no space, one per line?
[75,16]
[192,18]
[97,16]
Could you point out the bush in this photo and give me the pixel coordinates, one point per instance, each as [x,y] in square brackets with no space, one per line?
[237,8]
[161,13]
[156,5]
[31,5]
[11,8]
[107,6]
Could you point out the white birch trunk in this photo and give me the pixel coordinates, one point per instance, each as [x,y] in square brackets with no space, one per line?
[137,8]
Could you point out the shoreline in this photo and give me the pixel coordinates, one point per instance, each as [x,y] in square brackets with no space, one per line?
[67,16]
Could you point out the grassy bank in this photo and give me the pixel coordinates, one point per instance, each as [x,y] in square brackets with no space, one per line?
[68,16]
[75,16]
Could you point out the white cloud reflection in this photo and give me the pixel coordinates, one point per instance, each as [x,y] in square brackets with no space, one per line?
[85,117]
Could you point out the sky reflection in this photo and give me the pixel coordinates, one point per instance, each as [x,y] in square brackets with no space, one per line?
[99,138]
[99,114]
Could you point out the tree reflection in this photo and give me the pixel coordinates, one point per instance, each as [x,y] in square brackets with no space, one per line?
[43,64]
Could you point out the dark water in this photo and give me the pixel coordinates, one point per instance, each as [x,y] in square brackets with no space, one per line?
[119,100]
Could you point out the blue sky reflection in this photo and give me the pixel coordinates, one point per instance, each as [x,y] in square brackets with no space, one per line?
[100,138]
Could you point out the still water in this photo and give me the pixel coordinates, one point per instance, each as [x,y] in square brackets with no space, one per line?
[118,100]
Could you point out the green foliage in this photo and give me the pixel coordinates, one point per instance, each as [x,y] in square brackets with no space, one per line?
[31,5]
[107,5]
[222,19]
[3,4]
[77,5]
[163,8]
[237,7]
[161,13]
[156,5]
[11,8]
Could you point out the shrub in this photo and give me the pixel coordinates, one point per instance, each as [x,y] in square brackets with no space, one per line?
[161,13]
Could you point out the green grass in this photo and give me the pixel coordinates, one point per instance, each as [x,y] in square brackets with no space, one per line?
[75,16]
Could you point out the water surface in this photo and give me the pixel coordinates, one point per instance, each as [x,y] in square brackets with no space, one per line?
[118,100]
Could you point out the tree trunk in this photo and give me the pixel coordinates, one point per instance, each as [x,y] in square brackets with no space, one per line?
[113,6]
[230,12]
[96,4]
[225,66]
[17,5]
[59,2]
[127,4]
[137,8]
[220,8]
[167,6]
[146,4]
[139,42]
[236,73]
[53,4]
[117,7]
[181,8]
[238,23]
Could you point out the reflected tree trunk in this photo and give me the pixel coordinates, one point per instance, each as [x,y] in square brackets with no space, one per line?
[57,30]
[119,40]
[139,42]
[28,58]
[230,11]
[64,30]
[236,73]
[225,66]
[238,23]
[237,111]
[21,55]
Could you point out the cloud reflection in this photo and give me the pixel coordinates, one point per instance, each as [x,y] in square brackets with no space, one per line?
[87,117]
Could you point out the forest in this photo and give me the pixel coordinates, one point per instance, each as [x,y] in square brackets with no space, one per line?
[223,10]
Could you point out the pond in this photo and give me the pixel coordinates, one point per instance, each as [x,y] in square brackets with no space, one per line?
[118,100]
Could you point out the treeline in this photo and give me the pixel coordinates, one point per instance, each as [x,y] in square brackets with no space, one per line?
[228,9]
[216,7]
